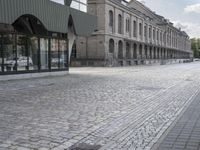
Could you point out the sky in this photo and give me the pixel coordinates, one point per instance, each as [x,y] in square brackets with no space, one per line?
[183,13]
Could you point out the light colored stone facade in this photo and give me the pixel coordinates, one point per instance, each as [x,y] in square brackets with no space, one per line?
[141,37]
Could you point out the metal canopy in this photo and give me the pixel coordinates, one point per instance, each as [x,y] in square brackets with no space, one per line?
[54,16]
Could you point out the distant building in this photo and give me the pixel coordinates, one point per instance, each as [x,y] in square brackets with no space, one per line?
[129,33]
[37,35]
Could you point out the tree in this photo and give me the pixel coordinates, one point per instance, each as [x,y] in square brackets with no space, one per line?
[195,42]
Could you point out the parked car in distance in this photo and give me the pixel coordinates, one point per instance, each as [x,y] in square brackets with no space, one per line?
[21,62]
[196,59]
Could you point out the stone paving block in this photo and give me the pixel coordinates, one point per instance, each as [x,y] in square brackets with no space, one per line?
[117,108]
[187,139]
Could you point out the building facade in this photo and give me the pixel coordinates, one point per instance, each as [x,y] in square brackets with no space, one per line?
[37,36]
[129,33]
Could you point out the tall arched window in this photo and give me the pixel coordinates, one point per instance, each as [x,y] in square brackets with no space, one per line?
[128,52]
[145,31]
[154,34]
[164,38]
[157,35]
[111,20]
[127,25]
[150,32]
[146,49]
[134,29]
[164,54]
[140,29]
[111,46]
[140,50]
[154,52]
[150,52]
[158,53]
[135,51]
[161,36]
[119,24]
[120,50]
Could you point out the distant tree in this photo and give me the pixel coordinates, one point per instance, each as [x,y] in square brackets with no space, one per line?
[196,47]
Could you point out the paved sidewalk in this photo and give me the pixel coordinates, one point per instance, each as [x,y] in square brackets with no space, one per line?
[122,108]
[185,134]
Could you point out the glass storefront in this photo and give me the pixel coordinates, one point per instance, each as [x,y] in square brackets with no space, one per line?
[24,53]
[1,53]
[63,53]
[44,53]
[9,53]
[54,54]
[33,53]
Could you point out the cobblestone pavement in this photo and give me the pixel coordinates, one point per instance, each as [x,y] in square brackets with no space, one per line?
[185,134]
[116,108]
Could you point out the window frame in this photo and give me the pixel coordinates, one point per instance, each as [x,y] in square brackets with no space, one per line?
[49,69]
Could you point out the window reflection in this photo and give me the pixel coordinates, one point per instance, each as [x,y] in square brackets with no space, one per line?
[80,5]
[63,53]
[1,54]
[22,53]
[9,53]
[33,53]
[44,48]
[54,54]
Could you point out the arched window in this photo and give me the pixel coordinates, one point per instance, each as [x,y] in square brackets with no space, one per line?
[128,52]
[150,52]
[154,53]
[111,20]
[161,36]
[145,51]
[134,29]
[111,46]
[158,53]
[164,38]
[157,35]
[119,24]
[161,53]
[150,32]
[140,29]
[120,50]
[164,54]
[154,34]
[140,50]
[145,31]
[127,25]
[135,51]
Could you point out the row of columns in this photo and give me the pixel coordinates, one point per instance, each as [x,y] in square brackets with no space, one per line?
[129,50]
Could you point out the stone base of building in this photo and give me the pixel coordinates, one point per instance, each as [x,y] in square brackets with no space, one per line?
[117,63]
[32,75]
[89,62]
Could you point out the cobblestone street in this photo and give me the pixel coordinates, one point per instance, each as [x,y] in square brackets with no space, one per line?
[125,108]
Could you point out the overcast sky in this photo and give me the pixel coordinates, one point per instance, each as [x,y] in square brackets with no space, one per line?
[183,13]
